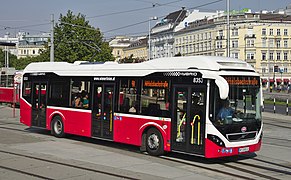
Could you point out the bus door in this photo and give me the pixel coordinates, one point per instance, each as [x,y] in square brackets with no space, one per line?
[39,104]
[103,109]
[188,123]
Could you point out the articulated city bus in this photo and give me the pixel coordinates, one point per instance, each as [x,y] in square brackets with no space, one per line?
[167,104]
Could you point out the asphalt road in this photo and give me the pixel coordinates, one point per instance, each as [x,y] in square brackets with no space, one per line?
[29,153]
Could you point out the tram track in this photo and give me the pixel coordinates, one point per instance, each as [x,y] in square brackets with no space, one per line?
[280,126]
[25,173]
[59,163]
[193,164]
[243,167]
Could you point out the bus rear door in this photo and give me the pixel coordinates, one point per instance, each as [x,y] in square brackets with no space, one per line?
[39,103]
[103,109]
[188,123]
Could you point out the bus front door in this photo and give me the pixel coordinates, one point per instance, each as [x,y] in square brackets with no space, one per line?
[188,123]
[39,104]
[102,115]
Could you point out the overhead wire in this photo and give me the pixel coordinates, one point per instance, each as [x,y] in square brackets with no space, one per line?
[133,10]
[142,22]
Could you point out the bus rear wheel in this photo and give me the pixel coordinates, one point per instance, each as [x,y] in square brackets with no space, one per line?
[154,142]
[57,127]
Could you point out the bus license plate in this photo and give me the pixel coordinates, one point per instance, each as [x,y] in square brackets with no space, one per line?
[244,149]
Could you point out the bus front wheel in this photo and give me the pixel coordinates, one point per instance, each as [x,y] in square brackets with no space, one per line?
[57,127]
[154,142]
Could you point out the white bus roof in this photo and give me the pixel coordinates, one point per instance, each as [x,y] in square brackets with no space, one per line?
[211,67]
[189,63]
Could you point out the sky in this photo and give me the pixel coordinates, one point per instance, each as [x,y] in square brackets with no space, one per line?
[112,17]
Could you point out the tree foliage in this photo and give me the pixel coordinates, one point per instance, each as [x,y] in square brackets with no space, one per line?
[74,40]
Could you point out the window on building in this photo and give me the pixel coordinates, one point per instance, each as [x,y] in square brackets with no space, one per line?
[285,70]
[154,99]
[263,70]
[264,43]
[278,43]
[218,44]
[220,33]
[263,56]
[250,55]
[271,42]
[271,32]
[285,32]
[278,56]
[235,43]
[285,43]
[264,32]
[191,48]
[250,43]
[234,32]
[285,56]
[271,56]
[234,55]
[278,32]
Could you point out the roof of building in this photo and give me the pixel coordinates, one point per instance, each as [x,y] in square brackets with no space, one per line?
[174,17]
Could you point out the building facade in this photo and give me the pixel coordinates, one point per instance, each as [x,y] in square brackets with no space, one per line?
[162,35]
[118,44]
[137,49]
[32,45]
[26,45]
[263,40]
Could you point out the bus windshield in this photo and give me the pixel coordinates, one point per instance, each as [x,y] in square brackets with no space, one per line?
[242,106]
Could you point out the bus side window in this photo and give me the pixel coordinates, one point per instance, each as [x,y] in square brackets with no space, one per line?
[128,96]
[154,102]
[80,91]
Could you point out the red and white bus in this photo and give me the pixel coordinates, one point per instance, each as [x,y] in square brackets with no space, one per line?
[161,105]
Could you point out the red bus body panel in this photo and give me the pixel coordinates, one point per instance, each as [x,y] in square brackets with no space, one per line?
[75,121]
[214,151]
[25,113]
[129,129]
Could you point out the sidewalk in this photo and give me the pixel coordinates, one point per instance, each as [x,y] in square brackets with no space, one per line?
[276,116]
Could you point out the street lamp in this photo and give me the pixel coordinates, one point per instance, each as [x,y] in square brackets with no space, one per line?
[228,29]
[149,40]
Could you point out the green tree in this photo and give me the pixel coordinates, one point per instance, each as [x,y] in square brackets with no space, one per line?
[76,40]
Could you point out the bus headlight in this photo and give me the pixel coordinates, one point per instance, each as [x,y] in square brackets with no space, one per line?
[216,140]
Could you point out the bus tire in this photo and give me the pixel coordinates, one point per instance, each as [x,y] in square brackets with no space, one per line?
[57,128]
[154,142]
